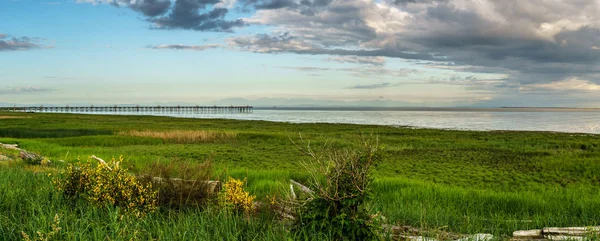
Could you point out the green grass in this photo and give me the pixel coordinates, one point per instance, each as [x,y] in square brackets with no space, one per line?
[460,181]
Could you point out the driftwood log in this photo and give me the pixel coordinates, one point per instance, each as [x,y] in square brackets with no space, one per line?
[302,187]
[211,186]
[101,162]
[10,146]
[566,233]
[30,157]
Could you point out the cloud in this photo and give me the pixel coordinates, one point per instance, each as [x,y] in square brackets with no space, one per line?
[59,78]
[307,68]
[285,43]
[8,43]
[373,86]
[151,8]
[200,15]
[530,42]
[376,61]
[366,72]
[363,72]
[526,45]
[568,85]
[185,15]
[302,6]
[185,47]
[25,90]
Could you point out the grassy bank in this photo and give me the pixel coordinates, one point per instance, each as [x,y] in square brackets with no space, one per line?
[460,181]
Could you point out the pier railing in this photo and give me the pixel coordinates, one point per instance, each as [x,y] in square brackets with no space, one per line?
[134,109]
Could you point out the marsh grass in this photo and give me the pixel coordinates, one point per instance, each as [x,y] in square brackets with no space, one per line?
[455,181]
[184,136]
[49,133]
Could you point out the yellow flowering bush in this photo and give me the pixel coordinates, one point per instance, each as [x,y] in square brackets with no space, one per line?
[107,184]
[233,195]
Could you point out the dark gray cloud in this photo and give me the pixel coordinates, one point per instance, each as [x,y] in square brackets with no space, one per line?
[305,7]
[8,43]
[199,15]
[151,8]
[186,15]
[184,47]
[373,86]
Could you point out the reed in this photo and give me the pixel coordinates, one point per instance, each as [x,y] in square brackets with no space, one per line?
[184,136]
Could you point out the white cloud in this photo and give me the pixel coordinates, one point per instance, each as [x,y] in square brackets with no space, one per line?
[570,84]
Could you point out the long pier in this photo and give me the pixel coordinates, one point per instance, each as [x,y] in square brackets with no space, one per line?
[135,109]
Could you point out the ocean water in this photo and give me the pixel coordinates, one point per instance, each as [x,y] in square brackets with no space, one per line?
[525,119]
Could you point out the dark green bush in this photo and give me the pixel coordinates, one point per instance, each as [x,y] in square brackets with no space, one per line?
[337,209]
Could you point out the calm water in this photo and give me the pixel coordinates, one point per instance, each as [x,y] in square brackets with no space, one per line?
[462,119]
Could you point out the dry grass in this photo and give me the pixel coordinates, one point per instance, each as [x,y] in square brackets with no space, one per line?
[184,137]
[13,117]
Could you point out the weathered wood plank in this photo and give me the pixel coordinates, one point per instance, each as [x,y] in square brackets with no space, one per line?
[536,233]
[571,231]
[564,237]
[10,146]
[477,237]
[212,186]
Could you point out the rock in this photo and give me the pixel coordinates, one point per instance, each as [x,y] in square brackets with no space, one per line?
[4,158]
[477,237]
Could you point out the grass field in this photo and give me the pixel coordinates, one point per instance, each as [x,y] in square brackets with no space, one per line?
[459,181]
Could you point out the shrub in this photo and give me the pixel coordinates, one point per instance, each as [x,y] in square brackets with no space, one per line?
[107,184]
[341,180]
[234,196]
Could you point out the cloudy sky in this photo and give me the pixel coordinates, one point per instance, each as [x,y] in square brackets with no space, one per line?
[396,52]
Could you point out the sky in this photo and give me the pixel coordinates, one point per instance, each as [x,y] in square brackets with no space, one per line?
[437,53]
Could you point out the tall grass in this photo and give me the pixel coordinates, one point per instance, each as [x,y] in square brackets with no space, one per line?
[184,136]
[470,210]
[28,203]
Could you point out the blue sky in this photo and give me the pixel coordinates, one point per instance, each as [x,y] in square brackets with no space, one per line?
[399,52]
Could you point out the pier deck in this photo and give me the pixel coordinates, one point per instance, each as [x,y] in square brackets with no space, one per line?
[134,109]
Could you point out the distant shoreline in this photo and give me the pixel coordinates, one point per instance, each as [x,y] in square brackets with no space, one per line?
[451,109]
